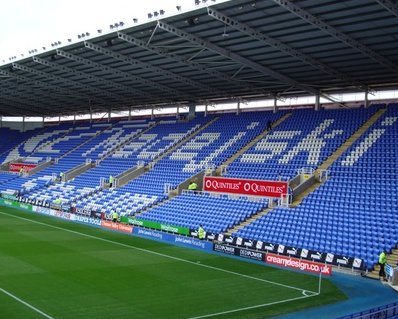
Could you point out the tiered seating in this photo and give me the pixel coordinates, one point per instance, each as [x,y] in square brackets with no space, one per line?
[296,144]
[220,141]
[61,144]
[5,177]
[212,146]
[36,141]
[145,148]
[355,212]
[95,148]
[215,213]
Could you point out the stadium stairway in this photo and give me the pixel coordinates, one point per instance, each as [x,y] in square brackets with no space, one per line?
[119,146]
[184,140]
[336,154]
[325,165]
[249,220]
[86,141]
[218,171]
[166,153]
[392,259]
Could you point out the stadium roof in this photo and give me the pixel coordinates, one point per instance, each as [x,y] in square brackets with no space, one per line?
[237,50]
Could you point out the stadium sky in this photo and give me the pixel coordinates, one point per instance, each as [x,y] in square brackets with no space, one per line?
[33,24]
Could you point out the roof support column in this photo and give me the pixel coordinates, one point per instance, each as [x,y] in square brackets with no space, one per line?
[130,113]
[91,114]
[317,102]
[1,121]
[109,114]
[275,108]
[59,119]
[366,98]
[238,108]
[192,111]
[42,121]
[206,106]
[178,112]
[23,123]
[152,113]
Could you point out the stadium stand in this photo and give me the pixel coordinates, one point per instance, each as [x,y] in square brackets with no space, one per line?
[141,192]
[354,212]
[351,214]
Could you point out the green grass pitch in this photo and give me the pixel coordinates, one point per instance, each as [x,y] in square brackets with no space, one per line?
[50,268]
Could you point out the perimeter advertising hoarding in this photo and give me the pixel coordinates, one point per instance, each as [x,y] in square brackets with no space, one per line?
[8,196]
[298,264]
[81,211]
[116,226]
[158,226]
[183,241]
[15,204]
[16,167]
[312,255]
[245,186]
[86,220]
[235,251]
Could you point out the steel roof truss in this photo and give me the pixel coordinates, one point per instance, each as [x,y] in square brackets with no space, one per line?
[82,74]
[244,28]
[389,5]
[51,77]
[244,61]
[231,55]
[42,84]
[165,53]
[120,74]
[144,65]
[341,36]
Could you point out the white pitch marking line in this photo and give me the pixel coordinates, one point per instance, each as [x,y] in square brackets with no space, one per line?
[155,253]
[25,303]
[251,307]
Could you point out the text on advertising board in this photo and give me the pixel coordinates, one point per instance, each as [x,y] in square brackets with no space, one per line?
[245,186]
[298,264]
[16,167]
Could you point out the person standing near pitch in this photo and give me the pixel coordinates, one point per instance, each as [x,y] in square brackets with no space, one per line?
[201,232]
[115,216]
[382,263]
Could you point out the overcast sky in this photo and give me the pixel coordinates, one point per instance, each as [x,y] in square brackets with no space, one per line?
[32,24]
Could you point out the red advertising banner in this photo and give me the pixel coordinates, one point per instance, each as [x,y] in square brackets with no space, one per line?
[245,186]
[298,264]
[116,226]
[16,167]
